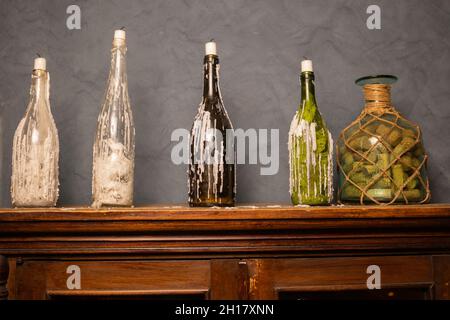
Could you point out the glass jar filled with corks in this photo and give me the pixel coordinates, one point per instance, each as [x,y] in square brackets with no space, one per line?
[380,155]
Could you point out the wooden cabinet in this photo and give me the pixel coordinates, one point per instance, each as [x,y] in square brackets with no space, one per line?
[263,252]
[406,277]
[118,279]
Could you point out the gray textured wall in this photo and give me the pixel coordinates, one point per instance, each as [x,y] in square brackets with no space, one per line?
[261,44]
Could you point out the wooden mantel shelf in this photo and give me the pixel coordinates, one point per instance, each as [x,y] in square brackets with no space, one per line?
[245,252]
[157,231]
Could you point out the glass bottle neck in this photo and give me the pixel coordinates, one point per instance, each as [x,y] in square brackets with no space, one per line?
[211,88]
[118,74]
[39,91]
[308,93]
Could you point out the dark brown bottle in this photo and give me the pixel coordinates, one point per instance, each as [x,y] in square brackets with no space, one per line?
[212,169]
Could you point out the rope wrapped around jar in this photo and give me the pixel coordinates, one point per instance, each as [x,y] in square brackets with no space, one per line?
[380,155]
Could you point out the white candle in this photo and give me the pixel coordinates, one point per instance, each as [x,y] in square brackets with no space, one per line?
[119,38]
[40,63]
[120,34]
[307,66]
[210,48]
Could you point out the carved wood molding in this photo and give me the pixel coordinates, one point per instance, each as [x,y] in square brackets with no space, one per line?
[249,231]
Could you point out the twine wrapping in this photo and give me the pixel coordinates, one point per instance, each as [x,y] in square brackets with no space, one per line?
[380,155]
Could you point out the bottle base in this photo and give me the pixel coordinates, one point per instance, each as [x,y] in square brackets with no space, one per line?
[109,205]
[312,204]
[211,205]
[319,201]
[34,204]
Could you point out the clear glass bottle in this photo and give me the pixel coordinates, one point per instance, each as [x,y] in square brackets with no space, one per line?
[380,155]
[310,148]
[212,169]
[113,152]
[34,181]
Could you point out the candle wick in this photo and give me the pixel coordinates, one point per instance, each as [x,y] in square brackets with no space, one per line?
[122,28]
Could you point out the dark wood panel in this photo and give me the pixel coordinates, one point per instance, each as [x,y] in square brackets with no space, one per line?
[43,279]
[229,279]
[12,278]
[179,294]
[31,281]
[4,274]
[441,265]
[271,277]
[396,293]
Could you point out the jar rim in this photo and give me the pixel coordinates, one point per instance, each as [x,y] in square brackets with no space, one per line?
[376,79]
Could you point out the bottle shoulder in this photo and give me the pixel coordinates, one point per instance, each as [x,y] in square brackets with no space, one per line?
[310,113]
[116,111]
[303,127]
[36,131]
[39,114]
[214,114]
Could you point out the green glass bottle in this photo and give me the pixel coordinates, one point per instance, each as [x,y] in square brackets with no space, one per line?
[310,148]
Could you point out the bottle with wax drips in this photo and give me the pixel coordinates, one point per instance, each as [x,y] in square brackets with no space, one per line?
[212,170]
[113,167]
[310,148]
[34,181]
